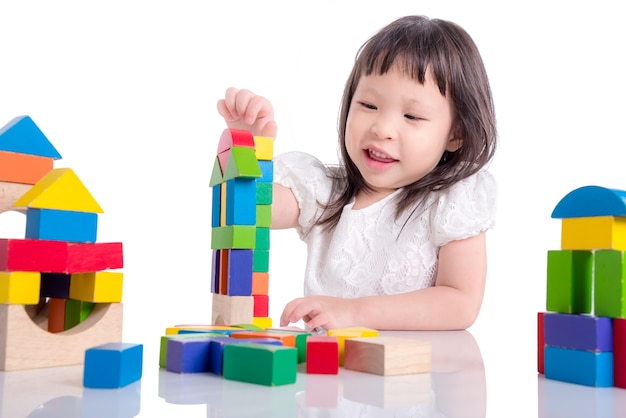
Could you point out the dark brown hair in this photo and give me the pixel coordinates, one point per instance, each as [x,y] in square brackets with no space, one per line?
[417,43]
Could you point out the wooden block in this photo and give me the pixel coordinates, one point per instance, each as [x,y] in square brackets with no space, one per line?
[353,332]
[264,190]
[591,201]
[60,189]
[540,342]
[262,241]
[23,168]
[264,148]
[76,311]
[19,287]
[261,305]
[579,366]
[55,285]
[25,345]
[215,271]
[33,255]
[241,202]
[222,204]
[235,138]
[569,281]
[98,287]
[216,205]
[260,283]
[261,261]
[216,173]
[61,225]
[113,365]
[267,171]
[609,284]
[242,163]
[262,322]
[301,338]
[263,216]
[9,193]
[217,350]
[56,315]
[322,355]
[95,256]
[288,340]
[23,136]
[579,332]
[223,272]
[227,310]
[165,338]
[619,353]
[262,364]
[602,232]
[239,273]
[233,236]
[387,356]
[199,327]
[188,355]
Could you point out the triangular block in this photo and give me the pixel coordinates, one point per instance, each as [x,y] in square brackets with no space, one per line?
[216,174]
[242,162]
[21,135]
[60,189]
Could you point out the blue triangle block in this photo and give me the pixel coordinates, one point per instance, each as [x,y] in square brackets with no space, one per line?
[22,136]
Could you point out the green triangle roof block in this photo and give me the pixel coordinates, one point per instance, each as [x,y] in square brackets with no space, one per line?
[21,135]
[242,162]
[216,175]
[591,201]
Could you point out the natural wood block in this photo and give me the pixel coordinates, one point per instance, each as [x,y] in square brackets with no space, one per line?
[26,345]
[387,356]
[353,332]
[19,287]
[569,281]
[263,364]
[9,193]
[228,310]
[598,232]
[98,287]
[264,148]
[23,168]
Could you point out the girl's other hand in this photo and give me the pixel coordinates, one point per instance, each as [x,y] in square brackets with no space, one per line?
[321,312]
[242,109]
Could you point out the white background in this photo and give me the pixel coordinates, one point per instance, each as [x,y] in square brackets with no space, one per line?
[126,92]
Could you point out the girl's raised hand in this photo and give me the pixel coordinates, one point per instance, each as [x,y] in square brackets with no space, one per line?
[242,109]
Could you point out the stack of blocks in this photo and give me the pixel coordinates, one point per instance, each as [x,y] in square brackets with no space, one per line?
[582,334]
[59,271]
[241,183]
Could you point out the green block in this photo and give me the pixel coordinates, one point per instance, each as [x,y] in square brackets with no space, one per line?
[242,162]
[261,261]
[300,341]
[264,216]
[262,239]
[233,236]
[609,290]
[76,311]
[569,281]
[216,174]
[166,338]
[264,193]
[263,364]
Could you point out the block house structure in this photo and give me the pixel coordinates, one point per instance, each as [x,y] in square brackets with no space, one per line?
[60,292]
[582,334]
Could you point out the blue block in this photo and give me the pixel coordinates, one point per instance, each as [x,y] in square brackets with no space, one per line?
[267,171]
[217,350]
[581,367]
[241,201]
[188,355]
[579,332]
[591,201]
[21,135]
[216,205]
[113,365]
[55,285]
[61,225]
[239,272]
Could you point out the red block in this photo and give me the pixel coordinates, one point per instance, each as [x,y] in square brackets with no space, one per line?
[33,255]
[322,355]
[235,138]
[261,306]
[540,343]
[89,257]
[619,353]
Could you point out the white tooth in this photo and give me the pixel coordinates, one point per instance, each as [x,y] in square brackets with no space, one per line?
[378,154]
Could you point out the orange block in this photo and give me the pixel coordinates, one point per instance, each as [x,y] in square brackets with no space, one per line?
[260,283]
[56,315]
[288,340]
[23,168]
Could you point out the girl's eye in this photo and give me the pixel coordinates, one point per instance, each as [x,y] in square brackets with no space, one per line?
[368,106]
[411,117]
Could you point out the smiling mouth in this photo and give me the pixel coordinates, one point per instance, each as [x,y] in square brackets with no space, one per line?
[379,156]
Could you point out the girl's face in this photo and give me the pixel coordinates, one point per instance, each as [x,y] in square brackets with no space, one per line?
[397,129]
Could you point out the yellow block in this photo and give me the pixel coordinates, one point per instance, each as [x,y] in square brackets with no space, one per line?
[60,189]
[19,287]
[97,287]
[223,204]
[262,322]
[593,233]
[264,148]
[176,329]
[354,332]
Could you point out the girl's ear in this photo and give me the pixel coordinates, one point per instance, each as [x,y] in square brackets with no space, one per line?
[454,143]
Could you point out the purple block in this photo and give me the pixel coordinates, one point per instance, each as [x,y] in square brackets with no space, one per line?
[217,349]
[240,272]
[188,355]
[578,332]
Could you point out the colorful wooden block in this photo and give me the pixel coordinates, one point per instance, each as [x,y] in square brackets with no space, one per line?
[301,339]
[223,204]
[262,322]
[242,163]
[322,355]
[95,256]
[165,338]
[33,255]
[239,272]
[540,342]
[264,148]
[98,287]
[260,283]
[223,271]
[227,310]
[241,202]
[76,311]
[233,236]
[569,281]
[288,340]
[23,168]
[264,192]
[262,240]
[263,216]
[267,171]
[218,345]
[60,189]
[235,138]
[581,367]
[216,205]
[55,285]
[22,135]
[19,287]
[591,201]
[188,355]
[215,271]
[602,232]
[580,332]
[56,315]
[61,225]
[261,261]
[263,364]
[261,305]
[619,353]
[609,285]
[113,365]
[387,356]
[216,173]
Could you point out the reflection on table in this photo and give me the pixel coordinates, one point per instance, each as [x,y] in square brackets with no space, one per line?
[456,387]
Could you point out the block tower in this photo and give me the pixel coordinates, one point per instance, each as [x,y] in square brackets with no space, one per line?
[582,334]
[58,293]
[241,183]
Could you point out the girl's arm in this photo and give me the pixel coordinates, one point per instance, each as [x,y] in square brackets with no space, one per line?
[453,303]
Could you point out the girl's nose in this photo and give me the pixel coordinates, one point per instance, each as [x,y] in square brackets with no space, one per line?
[384,127]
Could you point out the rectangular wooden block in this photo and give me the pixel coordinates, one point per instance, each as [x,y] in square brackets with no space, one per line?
[541,345]
[260,283]
[353,332]
[113,365]
[301,338]
[55,285]
[264,191]
[61,225]
[263,364]
[263,216]
[233,236]
[267,171]
[619,353]
[264,148]
[228,310]
[261,261]
[387,356]
[609,290]
[165,338]
[593,233]
[217,350]
[188,355]
[97,287]
[239,275]
[579,332]
[241,201]
[23,168]
[262,239]
[20,287]
[33,255]
[288,340]
[322,355]
[579,366]
[216,205]
[261,305]
[96,256]
[569,281]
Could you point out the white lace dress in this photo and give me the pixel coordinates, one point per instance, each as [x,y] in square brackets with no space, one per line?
[365,254]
